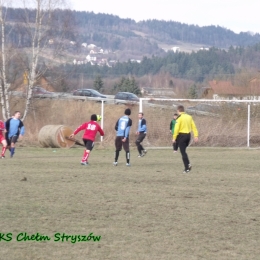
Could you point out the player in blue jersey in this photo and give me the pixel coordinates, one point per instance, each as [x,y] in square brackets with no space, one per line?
[141,132]
[14,129]
[122,128]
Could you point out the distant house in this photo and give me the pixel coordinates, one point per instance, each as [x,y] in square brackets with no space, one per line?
[81,61]
[76,62]
[135,61]
[102,62]
[21,83]
[84,45]
[92,52]
[91,58]
[112,63]
[226,90]
[92,46]
[175,49]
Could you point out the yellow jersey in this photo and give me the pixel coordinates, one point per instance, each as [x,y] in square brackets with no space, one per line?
[184,124]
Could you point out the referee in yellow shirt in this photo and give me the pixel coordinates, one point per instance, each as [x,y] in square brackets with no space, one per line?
[182,134]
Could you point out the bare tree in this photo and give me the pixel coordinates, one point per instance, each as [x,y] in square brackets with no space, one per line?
[4,85]
[42,28]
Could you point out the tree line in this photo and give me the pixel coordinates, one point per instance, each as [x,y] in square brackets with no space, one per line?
[196,66]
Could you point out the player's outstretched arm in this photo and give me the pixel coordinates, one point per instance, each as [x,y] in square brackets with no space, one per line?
[80,128]
[101,131]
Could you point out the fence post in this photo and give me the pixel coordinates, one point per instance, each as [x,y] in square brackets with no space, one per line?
[248,125]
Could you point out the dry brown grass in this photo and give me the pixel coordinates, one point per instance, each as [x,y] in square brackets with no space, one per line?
[71,113]
[229,129]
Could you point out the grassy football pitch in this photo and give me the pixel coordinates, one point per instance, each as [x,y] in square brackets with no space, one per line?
[147,211]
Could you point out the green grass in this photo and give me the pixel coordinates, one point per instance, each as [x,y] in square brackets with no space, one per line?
[147,211]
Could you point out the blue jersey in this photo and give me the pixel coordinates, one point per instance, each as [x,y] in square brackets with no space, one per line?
[142,128]
[123,126]
[14,127]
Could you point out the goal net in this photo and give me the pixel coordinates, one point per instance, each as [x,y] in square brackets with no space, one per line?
[224,123]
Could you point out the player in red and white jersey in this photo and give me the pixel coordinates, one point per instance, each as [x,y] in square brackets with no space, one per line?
[2,138]
[91,128]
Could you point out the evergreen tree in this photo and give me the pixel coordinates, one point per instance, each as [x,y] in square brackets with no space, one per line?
[193,92]
[127,85]
[134,88]
[171,84]
[98,83]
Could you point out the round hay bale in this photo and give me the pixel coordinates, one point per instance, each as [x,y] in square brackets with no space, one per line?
[55,136]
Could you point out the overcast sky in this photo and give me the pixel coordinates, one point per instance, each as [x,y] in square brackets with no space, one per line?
[232,14]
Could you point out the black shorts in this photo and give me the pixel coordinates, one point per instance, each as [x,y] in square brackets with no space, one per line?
[12,139]
[183,139]
[89,144]
[119,143]
[140,137]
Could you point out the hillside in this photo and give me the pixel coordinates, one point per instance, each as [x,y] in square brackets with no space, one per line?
[123,39]
[79,46]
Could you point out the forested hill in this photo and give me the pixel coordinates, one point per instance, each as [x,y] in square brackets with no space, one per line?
[209,35]
[110,31]
[165,31]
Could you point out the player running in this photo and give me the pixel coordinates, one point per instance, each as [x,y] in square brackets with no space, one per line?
[91,128]
[182,135]
[2,139]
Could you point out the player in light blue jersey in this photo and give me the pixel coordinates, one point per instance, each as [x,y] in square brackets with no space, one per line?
[122,128]
[14,130]
[141,132]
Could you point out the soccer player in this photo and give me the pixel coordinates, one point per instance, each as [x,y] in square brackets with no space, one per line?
[172,125]
[141,132]
[182,134]
[122,128]
[2,139]
[91,128]
[14,130]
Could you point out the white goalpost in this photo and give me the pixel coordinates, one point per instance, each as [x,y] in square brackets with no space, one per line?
[102,118]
